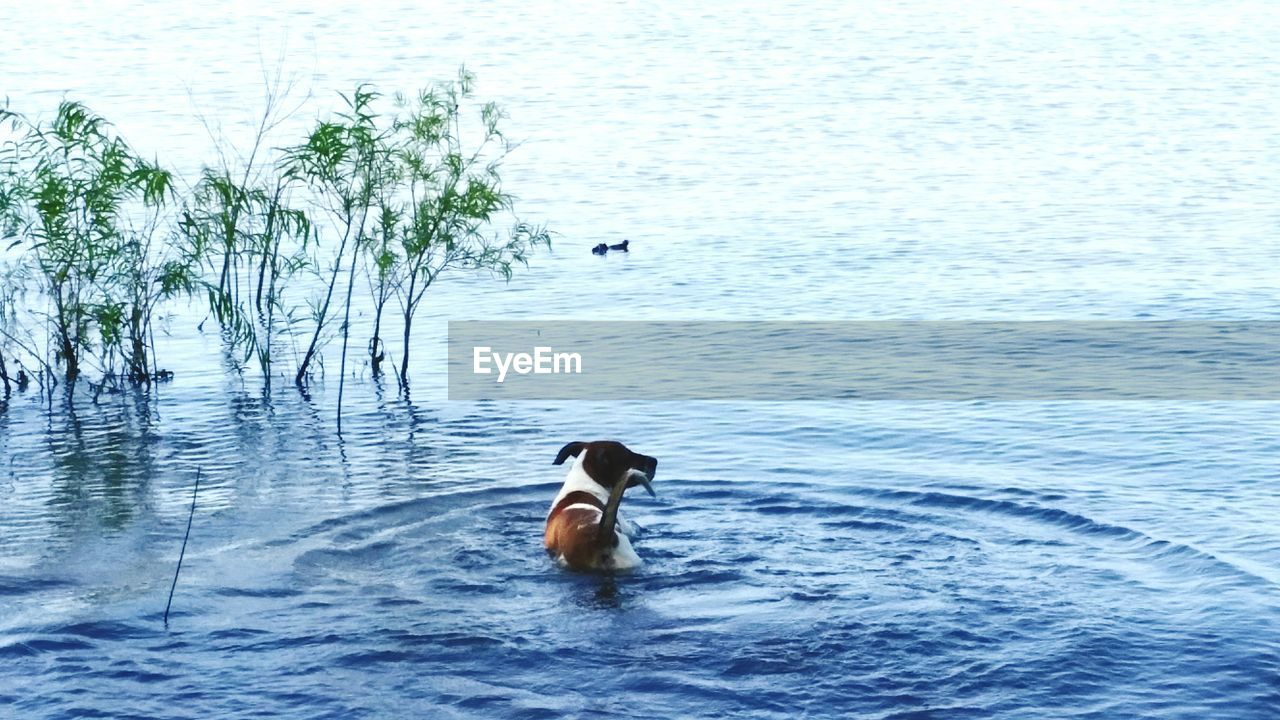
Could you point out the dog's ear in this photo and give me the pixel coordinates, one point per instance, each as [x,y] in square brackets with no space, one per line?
[572,448]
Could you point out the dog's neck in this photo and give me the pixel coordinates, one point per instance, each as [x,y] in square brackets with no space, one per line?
[579,481]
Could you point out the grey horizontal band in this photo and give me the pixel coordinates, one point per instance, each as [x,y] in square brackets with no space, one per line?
[882,360]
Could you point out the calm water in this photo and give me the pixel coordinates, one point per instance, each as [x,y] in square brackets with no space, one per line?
[925,160]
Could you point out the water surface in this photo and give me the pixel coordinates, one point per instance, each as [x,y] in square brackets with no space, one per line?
[1006,161]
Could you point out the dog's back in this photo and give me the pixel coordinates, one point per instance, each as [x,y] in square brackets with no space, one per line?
[584,530]
[573,535]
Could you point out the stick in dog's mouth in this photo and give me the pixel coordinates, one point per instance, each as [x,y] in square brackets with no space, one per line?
[640,476]
[606,535]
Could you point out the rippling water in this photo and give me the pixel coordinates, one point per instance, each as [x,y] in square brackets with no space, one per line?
[806,161]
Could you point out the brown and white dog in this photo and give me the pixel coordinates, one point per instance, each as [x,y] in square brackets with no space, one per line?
[584,530]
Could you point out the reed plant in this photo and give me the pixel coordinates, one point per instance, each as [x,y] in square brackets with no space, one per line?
[452,194]
[243,232]
[345,164]
[250,240]
[83,208]
[384,196]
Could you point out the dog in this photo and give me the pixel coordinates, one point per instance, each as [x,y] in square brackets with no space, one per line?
[584,530]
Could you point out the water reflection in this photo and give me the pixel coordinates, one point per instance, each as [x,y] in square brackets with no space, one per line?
[103,460]
[607,595]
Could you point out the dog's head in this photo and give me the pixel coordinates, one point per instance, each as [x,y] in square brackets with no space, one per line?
[609,462]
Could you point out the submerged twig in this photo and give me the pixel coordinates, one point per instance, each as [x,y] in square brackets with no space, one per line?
[4,376]
[183,553]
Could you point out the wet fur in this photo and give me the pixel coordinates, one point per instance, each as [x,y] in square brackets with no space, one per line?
[579,533]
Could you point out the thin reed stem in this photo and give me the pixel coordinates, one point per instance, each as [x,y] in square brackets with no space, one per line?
[183,552]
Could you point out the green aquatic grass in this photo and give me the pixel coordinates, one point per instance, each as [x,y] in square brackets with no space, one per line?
[384,196]
[83,208]
[452,194]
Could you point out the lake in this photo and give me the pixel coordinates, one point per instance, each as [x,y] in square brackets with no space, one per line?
[768,161]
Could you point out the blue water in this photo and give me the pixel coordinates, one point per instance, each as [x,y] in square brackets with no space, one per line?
[781,161]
